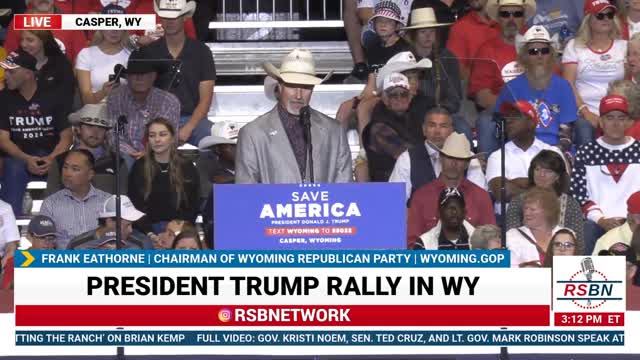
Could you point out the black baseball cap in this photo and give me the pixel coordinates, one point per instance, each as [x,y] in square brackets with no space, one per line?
[19,58]
[42,226]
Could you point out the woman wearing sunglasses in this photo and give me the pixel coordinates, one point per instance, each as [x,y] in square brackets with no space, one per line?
[594,58]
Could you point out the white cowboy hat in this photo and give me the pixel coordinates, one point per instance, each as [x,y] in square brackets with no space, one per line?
[92,114]
[423,18]
[222,132]
[297,67]
[400,62]
[456,146]
[493,6]
[172,9]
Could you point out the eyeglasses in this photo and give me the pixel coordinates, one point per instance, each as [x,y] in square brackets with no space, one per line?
[398,95]
[563,245]
[609,15]
[538,51]
[516,14]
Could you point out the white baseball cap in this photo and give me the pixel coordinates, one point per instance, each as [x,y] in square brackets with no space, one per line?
[128,211]
[537,33]
[394,80]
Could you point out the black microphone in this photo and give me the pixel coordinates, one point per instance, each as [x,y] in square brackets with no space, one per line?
[118,73]
[305,120]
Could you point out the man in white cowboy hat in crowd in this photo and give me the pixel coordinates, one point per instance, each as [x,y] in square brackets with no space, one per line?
[496,63]
[550,94]
[455,156]
[193,74]
[441,83]
[91,125]
[271,149]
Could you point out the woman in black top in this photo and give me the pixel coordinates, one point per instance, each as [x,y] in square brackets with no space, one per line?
[162,183]
[55,72]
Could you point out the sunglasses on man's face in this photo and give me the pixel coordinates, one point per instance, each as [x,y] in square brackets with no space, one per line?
[516,14]
[609,15]
[538,51]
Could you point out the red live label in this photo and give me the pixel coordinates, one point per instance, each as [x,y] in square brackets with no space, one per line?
[589,319]
[37,22]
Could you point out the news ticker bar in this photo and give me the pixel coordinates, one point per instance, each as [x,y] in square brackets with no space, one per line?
[262,259]
[282,315]
[83,22]
[319,338]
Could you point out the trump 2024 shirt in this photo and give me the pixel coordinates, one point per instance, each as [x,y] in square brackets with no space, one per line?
[35,124]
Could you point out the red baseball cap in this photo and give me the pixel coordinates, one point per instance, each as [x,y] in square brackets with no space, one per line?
[611,103]
[633,203]
[522,106]
[597,6]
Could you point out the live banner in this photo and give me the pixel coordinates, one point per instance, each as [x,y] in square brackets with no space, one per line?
[335,300]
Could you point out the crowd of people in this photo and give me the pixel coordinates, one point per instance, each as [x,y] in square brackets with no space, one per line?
[444,81]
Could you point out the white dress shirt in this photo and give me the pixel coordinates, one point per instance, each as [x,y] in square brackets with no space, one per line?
[402,170]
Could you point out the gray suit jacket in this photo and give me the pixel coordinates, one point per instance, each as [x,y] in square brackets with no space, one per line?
[264,154]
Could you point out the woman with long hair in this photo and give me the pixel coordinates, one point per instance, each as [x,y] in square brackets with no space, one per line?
[96,63]
[163,184]
[55,72]
[594,58]
[548,170]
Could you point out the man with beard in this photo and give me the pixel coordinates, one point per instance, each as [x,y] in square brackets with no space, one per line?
[469,32]
[453,231]
[550,95]
[273,148]
[91,125]
[496,63]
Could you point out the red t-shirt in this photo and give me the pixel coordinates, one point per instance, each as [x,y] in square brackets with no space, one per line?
[467,34]
[423,211]
[71,42]
[499,67]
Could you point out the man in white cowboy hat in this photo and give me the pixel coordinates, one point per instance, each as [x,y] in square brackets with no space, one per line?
[496,63]
[193,74]
[421,164]
[91,125]
[455,156]
[271,149]
[550,94]
[393,127]
[132,239]
[442,82]
[220,162]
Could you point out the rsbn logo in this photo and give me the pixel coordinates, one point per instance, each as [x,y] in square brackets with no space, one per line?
[588,288]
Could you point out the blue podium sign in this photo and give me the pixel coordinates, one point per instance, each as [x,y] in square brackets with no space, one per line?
[310,216]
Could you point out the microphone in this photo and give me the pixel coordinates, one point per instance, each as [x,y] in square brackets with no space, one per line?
[118,72]
[305,120]
[587,268]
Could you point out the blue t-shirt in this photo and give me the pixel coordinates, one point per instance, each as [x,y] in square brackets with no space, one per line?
[555,105]
[556,14]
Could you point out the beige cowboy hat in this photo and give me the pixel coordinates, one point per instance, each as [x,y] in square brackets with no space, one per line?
[456,146]
[423,18]
[493,6]
[297,67]
[222,132]
[400,62]
[173,9]
[5,11]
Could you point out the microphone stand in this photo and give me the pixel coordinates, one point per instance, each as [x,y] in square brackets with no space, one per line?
[118,129]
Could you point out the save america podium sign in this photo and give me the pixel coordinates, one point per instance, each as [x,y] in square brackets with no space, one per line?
[310,216]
